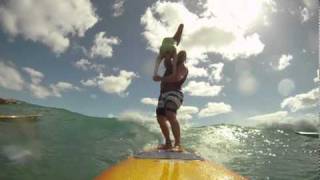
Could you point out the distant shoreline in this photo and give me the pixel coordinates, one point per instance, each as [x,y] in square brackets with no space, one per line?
[8,101]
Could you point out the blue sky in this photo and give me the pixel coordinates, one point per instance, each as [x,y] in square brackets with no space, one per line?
[249,61]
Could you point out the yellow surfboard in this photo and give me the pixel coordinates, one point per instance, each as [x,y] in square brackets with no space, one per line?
[166,165]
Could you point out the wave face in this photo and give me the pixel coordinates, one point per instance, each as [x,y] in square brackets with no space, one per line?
[66,145]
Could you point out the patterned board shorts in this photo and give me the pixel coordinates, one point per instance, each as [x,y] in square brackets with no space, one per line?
[169,101]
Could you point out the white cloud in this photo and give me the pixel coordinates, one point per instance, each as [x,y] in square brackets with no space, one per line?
[40,91]
[194,71]
[243,13]
[212,71]
[83,64]
[213,109]
[202,88]
[149,101]
[46,21]
[103,45]
[36,76]
[222,29]
[216,72]
[112,84]
[60,87]
[270,117]
[136,116]
[284,61]
[118,8]
[146,119]
[54,90]
[86,65]
[305,14]
[302,101]
[185,112]
[10,78]
[89,82]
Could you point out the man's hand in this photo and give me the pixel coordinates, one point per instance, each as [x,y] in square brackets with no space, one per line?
[156,78]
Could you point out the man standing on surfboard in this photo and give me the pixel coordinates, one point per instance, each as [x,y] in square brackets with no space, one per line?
[171,97]
[170,100]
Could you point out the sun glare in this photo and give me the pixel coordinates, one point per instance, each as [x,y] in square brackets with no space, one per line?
[239,13]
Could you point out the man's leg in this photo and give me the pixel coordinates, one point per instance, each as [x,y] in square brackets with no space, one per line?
[164,129]
[174,126]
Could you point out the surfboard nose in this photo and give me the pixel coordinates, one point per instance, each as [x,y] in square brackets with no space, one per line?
[159,165]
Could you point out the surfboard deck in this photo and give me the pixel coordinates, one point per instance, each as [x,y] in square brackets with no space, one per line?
[309,134]
[166,154]
[160,164]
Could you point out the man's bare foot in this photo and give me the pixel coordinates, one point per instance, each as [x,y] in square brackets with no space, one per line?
[177,148]
[165,146]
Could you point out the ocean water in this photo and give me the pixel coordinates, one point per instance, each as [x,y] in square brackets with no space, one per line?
[65,145]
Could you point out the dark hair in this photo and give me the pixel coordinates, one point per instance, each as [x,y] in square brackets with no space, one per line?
[181,57]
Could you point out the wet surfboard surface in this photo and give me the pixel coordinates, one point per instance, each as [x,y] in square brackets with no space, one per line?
[160,164]
[167,154]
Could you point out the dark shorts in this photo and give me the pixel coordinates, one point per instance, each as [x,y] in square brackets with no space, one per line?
[169,101]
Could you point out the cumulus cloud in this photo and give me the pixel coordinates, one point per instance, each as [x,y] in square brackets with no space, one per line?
[212,71]
[146,119]
[86,65]
[10,78]
[41,91]
[112,84]
[89,82]
[221,29]
[62,86]
[53,90]
[36,76]
[284,61]
[213,109]
[118,8]
[283,120]
[269,118]
[216,72]
[46,21]
[186,112]
[202,88]
[305,14]
[103,45]
[194,71]
[136,116]
[149,101]
[302,101]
